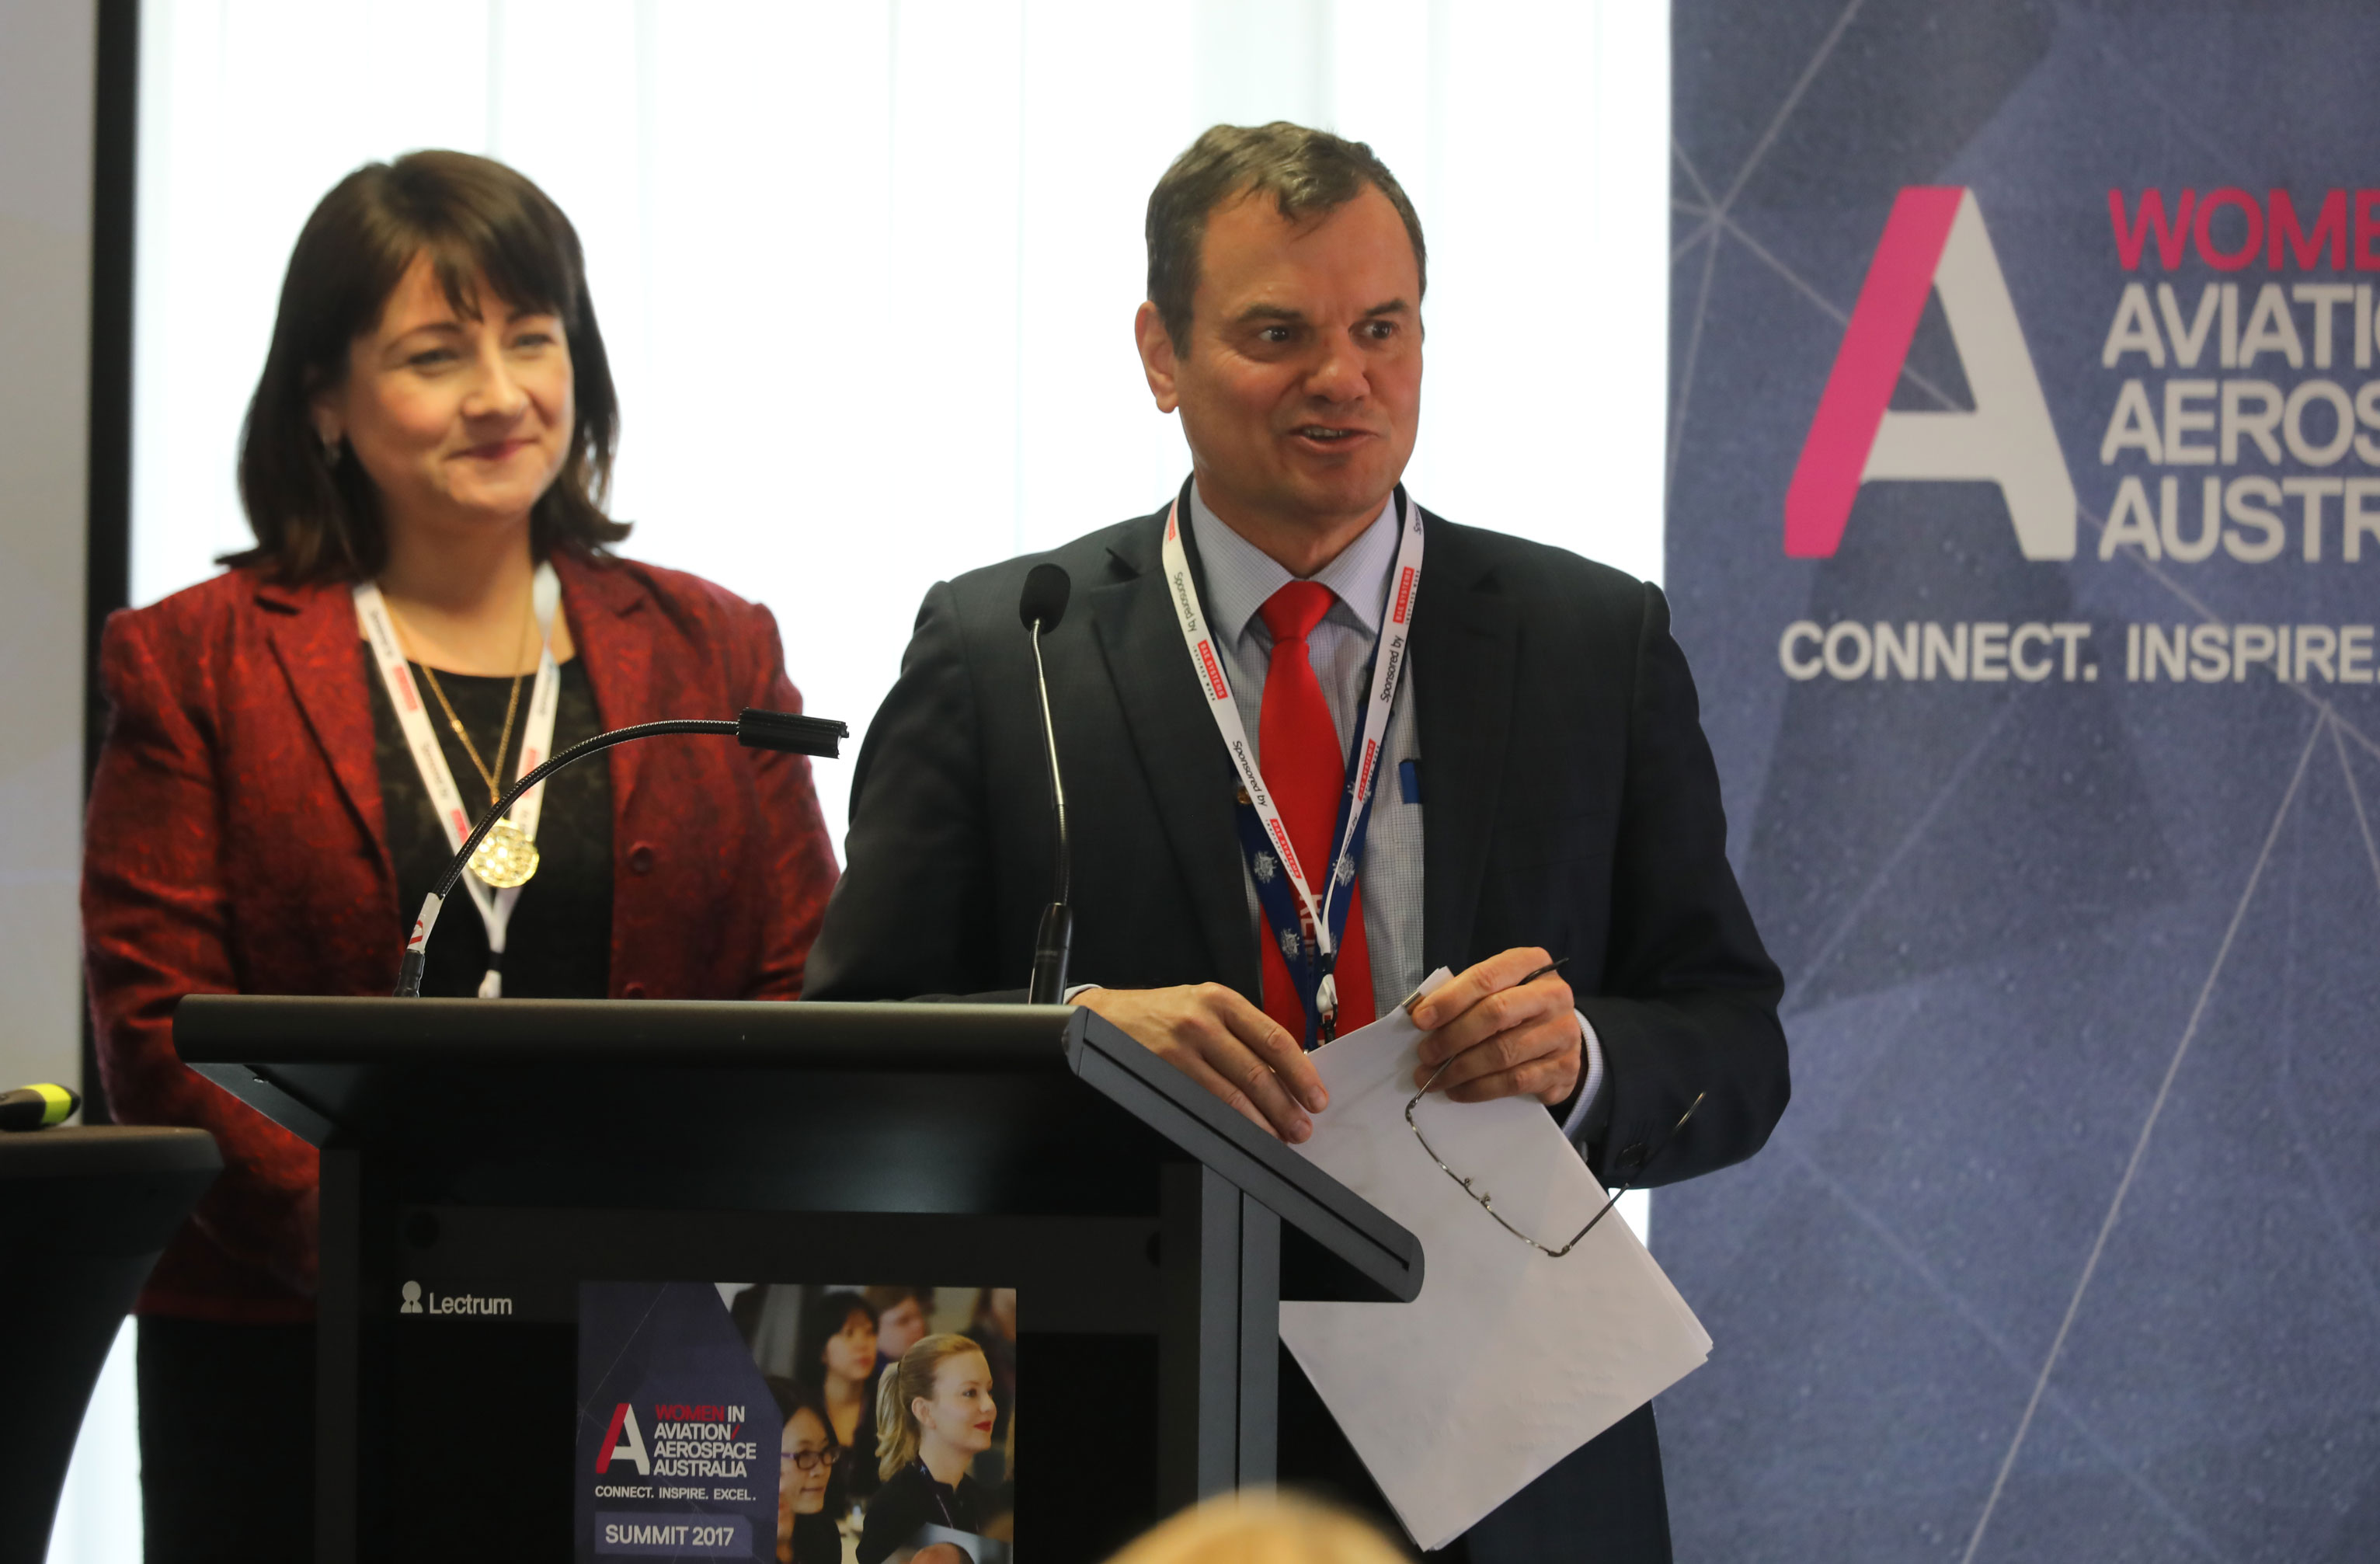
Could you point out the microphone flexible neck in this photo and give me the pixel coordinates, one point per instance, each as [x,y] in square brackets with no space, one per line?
[1053,942]
[755,729]
[1065,867]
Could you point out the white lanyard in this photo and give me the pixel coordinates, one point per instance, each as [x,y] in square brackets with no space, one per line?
[537,742]
[1396,629]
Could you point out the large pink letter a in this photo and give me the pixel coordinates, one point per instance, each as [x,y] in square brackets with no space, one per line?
[1934,241]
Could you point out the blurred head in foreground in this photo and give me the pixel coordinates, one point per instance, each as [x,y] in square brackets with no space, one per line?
[1263,1528]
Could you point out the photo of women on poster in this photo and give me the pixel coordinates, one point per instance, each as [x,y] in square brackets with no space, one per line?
[935,1416]
[898,1419]
[806,1467]
[835,1354]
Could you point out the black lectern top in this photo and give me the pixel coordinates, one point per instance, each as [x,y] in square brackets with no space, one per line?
[727,1106]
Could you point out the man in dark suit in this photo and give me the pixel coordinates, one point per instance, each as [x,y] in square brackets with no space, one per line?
[1544,783]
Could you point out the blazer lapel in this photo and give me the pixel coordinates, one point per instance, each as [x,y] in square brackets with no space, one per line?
[1463,650]
[1189,771]
[606,608]
[315,640]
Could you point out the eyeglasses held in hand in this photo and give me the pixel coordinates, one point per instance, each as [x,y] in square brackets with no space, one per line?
[1488,1204]
[809,1460]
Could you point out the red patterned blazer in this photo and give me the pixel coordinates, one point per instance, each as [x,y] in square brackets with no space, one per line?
[235,845]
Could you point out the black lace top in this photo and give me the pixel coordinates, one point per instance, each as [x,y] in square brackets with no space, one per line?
[559,944]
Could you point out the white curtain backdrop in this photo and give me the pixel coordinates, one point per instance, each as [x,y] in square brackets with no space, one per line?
[867,271]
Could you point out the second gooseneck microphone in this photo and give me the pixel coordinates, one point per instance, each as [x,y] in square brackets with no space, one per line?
[1042,604]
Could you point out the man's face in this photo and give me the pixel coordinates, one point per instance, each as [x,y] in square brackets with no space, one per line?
[1300,385]
[900,1327]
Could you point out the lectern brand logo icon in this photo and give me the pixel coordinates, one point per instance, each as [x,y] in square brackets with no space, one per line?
[1932,242]
[420,1301]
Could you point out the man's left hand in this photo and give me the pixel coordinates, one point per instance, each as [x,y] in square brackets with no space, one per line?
[1504,1038]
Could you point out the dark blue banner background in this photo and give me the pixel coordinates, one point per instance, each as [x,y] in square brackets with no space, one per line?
[2068,1248]
[669,1355]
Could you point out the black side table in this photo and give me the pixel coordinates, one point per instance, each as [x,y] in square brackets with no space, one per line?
[83,1215]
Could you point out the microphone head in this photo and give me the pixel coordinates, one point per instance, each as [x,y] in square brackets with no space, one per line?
[1046,587]
[792,734]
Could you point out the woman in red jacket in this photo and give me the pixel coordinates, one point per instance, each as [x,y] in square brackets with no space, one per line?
[429,609]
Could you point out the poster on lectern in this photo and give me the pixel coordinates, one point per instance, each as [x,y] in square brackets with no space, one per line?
[805,1423]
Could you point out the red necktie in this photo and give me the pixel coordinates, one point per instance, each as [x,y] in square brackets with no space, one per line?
[1298,747]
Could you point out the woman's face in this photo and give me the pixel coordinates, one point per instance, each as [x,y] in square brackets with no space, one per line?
[799,1491]
[962,1413]
[851,1352]
[455,421]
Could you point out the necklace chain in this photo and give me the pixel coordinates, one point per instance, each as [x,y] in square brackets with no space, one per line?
[491,774]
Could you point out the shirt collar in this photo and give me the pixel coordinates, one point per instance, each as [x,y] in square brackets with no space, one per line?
[1241,577]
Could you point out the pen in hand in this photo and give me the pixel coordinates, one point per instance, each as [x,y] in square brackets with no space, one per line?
[1556,965]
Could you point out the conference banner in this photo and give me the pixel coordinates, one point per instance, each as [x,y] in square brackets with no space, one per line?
[2025,533]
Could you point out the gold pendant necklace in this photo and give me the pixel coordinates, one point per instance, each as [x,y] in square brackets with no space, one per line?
[506,857]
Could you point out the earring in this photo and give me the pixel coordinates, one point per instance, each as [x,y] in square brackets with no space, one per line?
[331,447]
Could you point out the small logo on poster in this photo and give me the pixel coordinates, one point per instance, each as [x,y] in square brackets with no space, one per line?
[412,1304]
[2245,382]
[1932,242]
[624,1441]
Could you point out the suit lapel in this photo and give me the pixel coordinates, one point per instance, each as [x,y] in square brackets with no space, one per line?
[608,620]
[315,640]
[1465,640]
[1188,772]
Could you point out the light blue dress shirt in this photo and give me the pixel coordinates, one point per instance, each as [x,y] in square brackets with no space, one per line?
[1239,579]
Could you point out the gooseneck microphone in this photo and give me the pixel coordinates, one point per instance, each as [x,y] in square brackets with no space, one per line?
[1043,603]
[755,729]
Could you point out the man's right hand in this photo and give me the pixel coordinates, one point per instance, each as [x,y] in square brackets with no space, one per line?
[1226,1044]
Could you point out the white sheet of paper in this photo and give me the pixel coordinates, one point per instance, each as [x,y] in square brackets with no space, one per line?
[1510,1359]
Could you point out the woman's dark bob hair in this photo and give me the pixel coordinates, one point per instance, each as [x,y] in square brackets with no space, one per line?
[824,1317]
[315,513]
